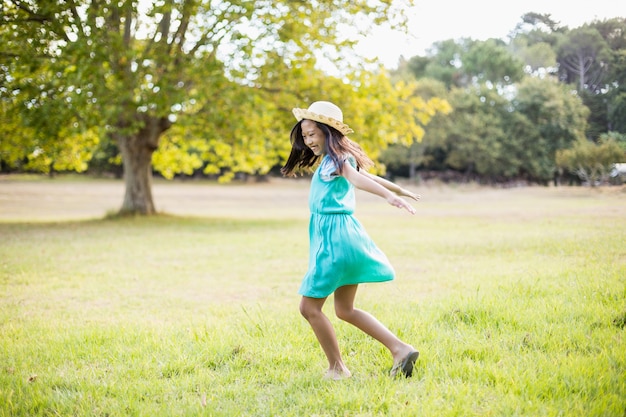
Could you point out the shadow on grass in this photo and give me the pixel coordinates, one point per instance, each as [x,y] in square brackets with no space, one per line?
[159,220]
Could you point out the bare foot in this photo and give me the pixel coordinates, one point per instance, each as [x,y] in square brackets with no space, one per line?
[337,374]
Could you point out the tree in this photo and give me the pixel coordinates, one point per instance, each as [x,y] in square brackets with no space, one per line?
[589,57]
[584,57]
[405,158]
[536,26]
[516,130]
[444,63]
[40,128]
[539,58]
[478,140]
[490,61]
[533,42]
[591,162]
[559,117]
[131,70]
[617,111]
[614,32]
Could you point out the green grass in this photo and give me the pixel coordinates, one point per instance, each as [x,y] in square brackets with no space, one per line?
[515,298]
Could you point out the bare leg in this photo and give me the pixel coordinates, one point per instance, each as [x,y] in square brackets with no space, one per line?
[344,308]
[311,309]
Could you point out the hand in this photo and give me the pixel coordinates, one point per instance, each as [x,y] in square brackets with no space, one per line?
[400,203]
[406,193]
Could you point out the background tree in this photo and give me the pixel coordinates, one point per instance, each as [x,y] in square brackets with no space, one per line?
[133,69]
[515,131]
[560,119]
[40,122]
[482,138]
[533,41]
[591,162]
[614,32]
[584,58]
[443,63]
[213,88]
[490,61]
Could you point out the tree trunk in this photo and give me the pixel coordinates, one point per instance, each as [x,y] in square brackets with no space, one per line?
[416,157]
[412,170]
[137,150]
[581,73]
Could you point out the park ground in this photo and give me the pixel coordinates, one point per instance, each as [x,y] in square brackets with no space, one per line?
[515,298]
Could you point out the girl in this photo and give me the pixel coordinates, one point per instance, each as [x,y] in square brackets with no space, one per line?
[341,255]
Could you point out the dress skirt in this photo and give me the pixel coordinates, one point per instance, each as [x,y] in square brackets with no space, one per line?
[340,250]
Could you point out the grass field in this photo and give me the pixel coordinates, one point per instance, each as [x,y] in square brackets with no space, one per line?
[516,299]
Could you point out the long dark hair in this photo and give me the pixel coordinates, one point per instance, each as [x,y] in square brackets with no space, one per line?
[337,146]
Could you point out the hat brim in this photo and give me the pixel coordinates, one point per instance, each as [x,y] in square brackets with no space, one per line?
[302,114]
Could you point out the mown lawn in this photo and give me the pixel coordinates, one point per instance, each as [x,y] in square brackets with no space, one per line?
[516,299]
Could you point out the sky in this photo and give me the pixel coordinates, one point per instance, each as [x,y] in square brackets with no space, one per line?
[436,20]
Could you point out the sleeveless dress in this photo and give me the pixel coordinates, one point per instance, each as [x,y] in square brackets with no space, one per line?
[340,252]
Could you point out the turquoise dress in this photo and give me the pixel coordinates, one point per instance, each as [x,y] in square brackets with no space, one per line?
[340,252]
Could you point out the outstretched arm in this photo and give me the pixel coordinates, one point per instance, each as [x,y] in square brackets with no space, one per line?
[366,183]
[395,188]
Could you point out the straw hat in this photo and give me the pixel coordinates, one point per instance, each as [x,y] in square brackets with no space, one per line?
[324,112]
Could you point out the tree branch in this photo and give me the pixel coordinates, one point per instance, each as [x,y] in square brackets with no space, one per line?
[41,19]
[128,24]
[180,35]
[34,17]
[79,23]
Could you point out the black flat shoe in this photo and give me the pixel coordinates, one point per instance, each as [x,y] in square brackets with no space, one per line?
[405,366]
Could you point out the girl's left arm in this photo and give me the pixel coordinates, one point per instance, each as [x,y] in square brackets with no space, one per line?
[366,183]
[391,186]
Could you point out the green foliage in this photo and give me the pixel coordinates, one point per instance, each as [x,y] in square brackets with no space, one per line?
[477,137]
[592,162]
[16,141]
[559,118]
[465,63]
[619,138]
[490,136]
[601,48]
[128,71]
[617,111]
[583,56]
[508,125]
[236,132]
[208,87]
[490,61]
[62,147]
[444,64]
[412,106]
[539,57]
